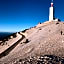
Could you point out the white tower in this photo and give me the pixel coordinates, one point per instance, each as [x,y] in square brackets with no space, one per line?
[51,12]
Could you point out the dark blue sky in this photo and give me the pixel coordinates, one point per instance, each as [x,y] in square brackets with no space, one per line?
[16,15]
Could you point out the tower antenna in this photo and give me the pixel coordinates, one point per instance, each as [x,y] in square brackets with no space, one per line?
[52,1]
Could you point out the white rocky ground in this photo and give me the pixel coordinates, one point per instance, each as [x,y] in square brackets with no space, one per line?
[44,39]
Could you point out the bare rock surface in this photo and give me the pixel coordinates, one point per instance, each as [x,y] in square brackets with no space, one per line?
[46,40]
[46,59]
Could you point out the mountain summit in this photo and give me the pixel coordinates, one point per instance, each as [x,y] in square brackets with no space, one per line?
[46,40]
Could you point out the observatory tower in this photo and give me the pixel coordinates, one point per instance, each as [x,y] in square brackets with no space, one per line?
[51,12]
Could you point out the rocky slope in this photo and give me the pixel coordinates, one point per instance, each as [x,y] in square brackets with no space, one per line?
[45,40]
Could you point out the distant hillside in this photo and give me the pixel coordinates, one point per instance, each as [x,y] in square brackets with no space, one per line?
[4,34]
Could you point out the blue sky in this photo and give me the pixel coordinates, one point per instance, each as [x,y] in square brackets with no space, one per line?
[16,15]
